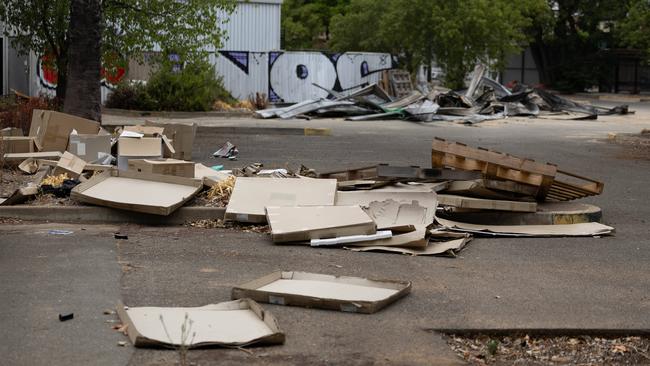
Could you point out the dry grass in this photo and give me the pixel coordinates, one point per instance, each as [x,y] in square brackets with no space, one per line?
[258,101]
[220,192]
[55,180]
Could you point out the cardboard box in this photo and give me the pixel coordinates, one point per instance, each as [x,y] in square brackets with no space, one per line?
[350,294]
[90,148]
[147,131]
[137,148]
[179,168]
[16,144]
[51,129]
[182,136]
[152,194]
[69,164]
[251,195]
[317,222]
[232,324]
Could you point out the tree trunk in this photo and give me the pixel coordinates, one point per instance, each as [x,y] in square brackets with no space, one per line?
[83,93]
[62,76]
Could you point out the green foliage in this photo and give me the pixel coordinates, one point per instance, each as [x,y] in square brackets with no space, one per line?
[192,88]
[456,34]
[304,21]
[130,27]
[634,30]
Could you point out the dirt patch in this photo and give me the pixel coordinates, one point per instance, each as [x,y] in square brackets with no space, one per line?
[220,224]
[525,350]
[636,146]
[10,180]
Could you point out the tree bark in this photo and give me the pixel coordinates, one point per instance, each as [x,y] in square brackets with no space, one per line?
[62,76]
[83,89]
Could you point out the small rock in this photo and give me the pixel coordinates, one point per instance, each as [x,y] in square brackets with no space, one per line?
[121,343]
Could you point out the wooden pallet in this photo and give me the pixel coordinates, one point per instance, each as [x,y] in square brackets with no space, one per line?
[400,83]
[551,183]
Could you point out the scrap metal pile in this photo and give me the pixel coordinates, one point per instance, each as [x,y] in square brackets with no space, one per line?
[484,99]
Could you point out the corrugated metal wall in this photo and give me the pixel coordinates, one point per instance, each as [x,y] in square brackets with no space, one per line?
[254,26]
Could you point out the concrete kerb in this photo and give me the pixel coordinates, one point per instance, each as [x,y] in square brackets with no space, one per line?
[105,215]
[544,332]
[179,115]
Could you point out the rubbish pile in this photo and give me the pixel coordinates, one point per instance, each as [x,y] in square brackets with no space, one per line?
[484,99]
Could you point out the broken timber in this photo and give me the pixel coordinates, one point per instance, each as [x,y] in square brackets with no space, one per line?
[496,165]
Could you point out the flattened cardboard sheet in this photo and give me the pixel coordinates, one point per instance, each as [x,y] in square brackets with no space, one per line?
[584,229]
[350,294]
[15,159]
[363,198]
[448,248]
[233,323]
[486,204]
[251,195]
[302,223]
[153,194]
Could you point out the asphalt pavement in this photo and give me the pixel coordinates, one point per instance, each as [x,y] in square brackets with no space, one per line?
[556,285]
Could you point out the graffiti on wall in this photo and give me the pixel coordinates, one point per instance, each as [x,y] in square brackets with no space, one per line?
[290,76]
[48,76]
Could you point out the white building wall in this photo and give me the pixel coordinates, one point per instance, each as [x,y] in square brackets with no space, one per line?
[254,26]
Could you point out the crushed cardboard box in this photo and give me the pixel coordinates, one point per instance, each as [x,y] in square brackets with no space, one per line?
[349,294]
[583,229]
[232,324]
[69,164]
[181,136]
[51,129]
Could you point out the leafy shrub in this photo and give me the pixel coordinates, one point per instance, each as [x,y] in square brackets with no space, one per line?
[131,96]
[193,88]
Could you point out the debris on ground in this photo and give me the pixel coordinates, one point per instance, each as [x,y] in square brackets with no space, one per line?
[313,290]
[219,194]
[228,150]
[527,350]
[237,323]
[485,99]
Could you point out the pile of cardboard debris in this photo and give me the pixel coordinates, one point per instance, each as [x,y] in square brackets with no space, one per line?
[484,99]
[410,210]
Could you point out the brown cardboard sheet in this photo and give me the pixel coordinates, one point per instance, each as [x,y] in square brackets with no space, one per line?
[16,144]
[486,204]
[69,164]
[51,129]
[390,214]
[584,229]
[303,223]
[90,148]
[182,137]
[251,195]
[448,248]
[209,176]
[153,194]
[364,198]
[233,323]
[179,168]
[15,159]
[350,294]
